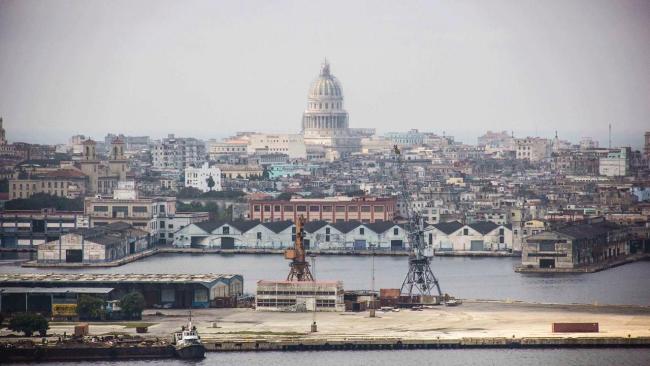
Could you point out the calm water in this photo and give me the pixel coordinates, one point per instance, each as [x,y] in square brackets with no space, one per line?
[478,278]
[595,357]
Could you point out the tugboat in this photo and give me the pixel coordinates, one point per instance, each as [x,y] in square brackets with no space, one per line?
[187,342]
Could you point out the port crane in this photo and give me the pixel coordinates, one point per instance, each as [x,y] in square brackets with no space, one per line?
[420,279]
[298,267]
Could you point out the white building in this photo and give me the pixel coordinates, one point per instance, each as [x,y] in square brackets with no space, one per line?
[533,149]
[616,163]
[478,236]
[325,121]
[299,296]
[280,234]
[200,177]
[292,145]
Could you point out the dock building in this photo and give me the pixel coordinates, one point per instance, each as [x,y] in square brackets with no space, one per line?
[95,245]
[299,296]
[38,290]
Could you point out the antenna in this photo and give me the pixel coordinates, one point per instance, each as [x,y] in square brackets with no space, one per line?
[610,135]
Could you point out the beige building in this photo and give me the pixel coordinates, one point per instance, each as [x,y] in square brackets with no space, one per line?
[103,176]
[533,149]
[68,183]
[240,171]
[292,145]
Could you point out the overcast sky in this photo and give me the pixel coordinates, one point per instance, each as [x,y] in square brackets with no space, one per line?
[210,68]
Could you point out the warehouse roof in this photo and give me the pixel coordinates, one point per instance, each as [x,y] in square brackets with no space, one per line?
[55,290]
[99,278]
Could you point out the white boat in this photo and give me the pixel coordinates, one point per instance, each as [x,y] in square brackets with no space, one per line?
[187,342]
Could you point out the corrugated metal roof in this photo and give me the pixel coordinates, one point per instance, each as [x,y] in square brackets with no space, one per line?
[54,278]
[55,290]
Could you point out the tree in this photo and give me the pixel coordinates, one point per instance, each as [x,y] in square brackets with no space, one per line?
[132,305]
[29,323]
[210,182]
[40,201]
[90,307]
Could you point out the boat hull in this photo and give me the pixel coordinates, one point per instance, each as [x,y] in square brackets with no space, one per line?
[193,351]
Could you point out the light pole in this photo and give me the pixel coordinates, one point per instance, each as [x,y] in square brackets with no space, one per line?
[314,327]
[372,269]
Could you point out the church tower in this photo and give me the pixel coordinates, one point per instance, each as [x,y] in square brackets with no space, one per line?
[89,164]
[117,163]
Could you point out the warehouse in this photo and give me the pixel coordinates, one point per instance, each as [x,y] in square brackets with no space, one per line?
[159,290]
[46,300]
[300,296]
[92,245]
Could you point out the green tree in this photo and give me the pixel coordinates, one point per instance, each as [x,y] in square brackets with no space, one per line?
[40,201]
[29,323]
[132,305]
[210,182]
[90,307]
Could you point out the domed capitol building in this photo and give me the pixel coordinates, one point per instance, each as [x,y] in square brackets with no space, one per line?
[325,124]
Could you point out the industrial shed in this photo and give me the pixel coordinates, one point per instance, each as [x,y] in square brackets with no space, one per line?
[171,290]
[98,244]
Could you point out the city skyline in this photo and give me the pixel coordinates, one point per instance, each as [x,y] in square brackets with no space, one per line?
[208,70]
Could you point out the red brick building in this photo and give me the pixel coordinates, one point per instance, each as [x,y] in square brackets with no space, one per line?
[330,209]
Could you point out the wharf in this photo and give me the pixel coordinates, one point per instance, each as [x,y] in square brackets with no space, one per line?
[474,324]
[116,263]
[587,269]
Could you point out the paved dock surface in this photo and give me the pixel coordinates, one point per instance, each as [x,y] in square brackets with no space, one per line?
[473,319]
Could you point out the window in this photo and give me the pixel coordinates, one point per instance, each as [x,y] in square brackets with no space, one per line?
[395,231]
[340,208]
[256,208]
[379,208]
[139,209]
[466,231]
[327,208]
[362,231]
[225,230]
[546,247]
[277,208]
[314,208]
[267,208]
[365,208]
[301,208]
[327,230]
[259,235]
[162,209]
[352,208]
[501,231]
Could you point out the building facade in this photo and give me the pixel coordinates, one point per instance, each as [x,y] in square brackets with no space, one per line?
[575,245]
[95,245]
[178,153]
[533,149]
[329,209]
[299,296]
[204,178]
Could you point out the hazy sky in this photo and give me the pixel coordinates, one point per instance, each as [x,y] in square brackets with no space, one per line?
[210,68]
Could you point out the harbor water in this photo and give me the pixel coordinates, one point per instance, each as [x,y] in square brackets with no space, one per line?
[473,278]
[574,357]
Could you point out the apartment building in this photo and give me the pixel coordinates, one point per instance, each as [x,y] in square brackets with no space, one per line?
[204,178]
[533,149]
[178,153]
